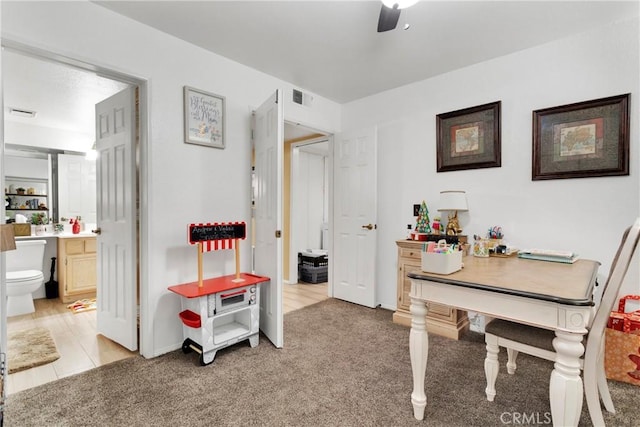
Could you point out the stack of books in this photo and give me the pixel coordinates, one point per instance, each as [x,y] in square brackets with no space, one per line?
[549,255]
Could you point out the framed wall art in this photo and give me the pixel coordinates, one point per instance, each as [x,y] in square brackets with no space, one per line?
[469,138]
[585,139]
[204,118]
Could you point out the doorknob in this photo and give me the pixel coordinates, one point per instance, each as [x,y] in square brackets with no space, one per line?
[97,230]
[369,226]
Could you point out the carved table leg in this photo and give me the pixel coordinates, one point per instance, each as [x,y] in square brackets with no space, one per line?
[491,366]
[565,389]
[418,350]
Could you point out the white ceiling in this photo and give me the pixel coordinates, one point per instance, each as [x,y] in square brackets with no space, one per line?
[332,48]
[63,97]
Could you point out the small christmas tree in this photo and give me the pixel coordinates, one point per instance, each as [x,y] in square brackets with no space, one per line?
[422,223]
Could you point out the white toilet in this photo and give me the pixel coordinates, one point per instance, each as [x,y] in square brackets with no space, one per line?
[24,275]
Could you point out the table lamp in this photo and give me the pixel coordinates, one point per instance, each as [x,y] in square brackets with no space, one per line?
[453,200]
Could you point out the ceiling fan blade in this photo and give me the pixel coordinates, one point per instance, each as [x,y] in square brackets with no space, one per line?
[388,18]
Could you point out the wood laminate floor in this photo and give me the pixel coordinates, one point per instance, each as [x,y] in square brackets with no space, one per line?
[78,344]
[301,295]
[82,349]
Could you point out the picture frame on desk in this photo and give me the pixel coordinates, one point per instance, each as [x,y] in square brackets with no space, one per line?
[582,140]
[469,138]
[204,118]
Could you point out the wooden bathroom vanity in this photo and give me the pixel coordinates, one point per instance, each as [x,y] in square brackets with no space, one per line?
[77,274]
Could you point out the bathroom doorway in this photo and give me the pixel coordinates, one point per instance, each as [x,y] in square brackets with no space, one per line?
[80,348]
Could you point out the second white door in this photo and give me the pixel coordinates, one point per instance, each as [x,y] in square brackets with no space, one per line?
[354,218]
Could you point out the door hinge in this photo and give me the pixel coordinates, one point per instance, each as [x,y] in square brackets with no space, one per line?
[278,234]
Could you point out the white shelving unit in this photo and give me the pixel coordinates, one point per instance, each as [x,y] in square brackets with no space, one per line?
[33,198]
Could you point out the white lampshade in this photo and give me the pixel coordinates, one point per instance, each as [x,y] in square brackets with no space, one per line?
[402,4]
[453,200]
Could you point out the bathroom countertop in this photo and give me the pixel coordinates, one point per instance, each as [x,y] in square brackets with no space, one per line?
[72,236]
[59,235]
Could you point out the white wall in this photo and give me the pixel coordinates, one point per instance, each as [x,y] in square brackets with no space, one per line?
[46,137]
[312,202]
[185,183]
[587,215]
[26,167]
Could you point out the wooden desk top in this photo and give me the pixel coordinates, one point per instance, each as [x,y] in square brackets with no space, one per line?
[215,285]
[569,284]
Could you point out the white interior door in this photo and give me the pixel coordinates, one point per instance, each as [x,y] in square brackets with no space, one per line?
[354,231]
[116,252]
[268,144]
[77,187]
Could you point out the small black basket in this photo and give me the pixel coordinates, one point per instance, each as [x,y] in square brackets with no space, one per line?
[313,274]
[313,261]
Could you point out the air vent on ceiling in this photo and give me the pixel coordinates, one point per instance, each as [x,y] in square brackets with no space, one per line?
[302,98]
[21,112]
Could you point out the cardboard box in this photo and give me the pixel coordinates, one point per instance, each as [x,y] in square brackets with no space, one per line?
[441,263]
[22,229]
[7,238]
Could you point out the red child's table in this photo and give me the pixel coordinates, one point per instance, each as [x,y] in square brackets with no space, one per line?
[215,285]
[221,312]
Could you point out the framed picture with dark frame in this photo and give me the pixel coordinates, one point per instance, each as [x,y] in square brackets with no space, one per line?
[585,139]
[469,138]
[204,118]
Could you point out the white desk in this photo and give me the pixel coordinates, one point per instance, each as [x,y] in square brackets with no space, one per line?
[546,294]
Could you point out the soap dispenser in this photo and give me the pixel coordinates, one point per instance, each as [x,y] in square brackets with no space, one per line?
[75,226]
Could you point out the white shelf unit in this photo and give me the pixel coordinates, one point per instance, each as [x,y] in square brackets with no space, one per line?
[35,197]
[228,326]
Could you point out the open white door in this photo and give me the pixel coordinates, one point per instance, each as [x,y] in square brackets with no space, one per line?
[116,249]
[354,232]
[268,144]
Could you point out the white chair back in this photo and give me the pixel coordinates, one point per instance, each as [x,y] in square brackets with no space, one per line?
[617,273]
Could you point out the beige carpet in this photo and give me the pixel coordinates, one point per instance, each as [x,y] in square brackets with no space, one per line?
[342,365]
[30,348]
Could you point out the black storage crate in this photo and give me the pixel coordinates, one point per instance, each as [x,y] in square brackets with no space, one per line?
[313,274]
[312,261]
[313,269]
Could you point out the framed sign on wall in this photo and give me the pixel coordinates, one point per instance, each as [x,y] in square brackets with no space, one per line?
[204,118]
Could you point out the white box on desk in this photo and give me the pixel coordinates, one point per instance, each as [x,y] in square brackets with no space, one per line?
[441,263]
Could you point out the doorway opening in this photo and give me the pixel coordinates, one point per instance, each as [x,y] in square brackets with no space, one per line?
[306,213]
[309,206]
[87,81]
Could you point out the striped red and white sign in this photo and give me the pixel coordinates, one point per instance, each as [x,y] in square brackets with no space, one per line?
[216,235]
